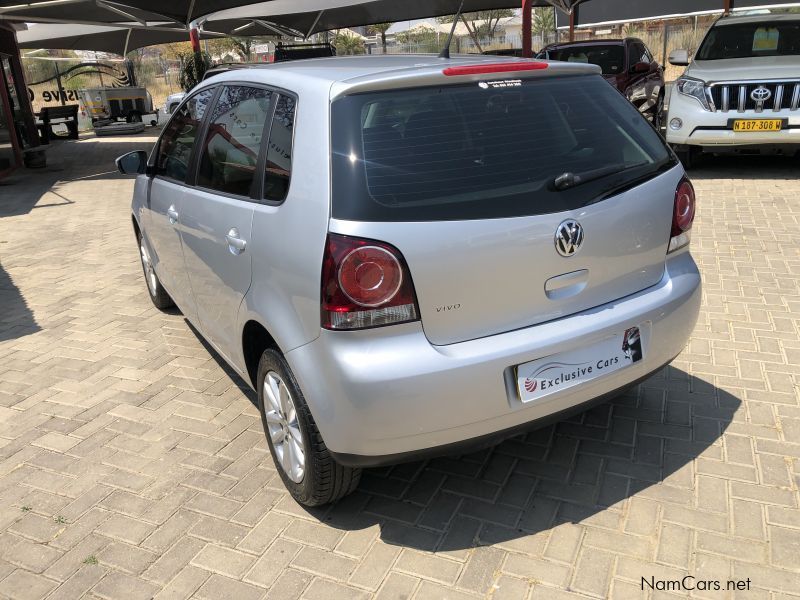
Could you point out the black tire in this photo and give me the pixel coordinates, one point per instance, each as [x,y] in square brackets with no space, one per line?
[688,157]
[324,480]
[158,294]
[173,108]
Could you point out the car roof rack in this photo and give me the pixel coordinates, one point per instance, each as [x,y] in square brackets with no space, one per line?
[285,53]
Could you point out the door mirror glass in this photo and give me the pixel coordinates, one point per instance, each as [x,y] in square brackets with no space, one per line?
[679,58]
[132,163]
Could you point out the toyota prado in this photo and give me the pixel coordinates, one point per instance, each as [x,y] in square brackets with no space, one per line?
[410,256]
[741,93]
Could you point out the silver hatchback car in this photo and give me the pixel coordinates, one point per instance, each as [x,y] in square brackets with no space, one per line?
[410,256]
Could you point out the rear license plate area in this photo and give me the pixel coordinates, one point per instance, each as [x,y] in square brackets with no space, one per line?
[540,378]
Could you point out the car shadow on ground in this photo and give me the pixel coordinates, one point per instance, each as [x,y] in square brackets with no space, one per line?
[26,189]
[16,317]
[747,167]
[243,386]
[580,469]
[583,468]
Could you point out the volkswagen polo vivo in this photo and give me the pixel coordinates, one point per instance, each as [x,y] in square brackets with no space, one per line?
[408,255]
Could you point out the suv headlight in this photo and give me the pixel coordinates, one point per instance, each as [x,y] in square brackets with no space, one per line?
[693,88]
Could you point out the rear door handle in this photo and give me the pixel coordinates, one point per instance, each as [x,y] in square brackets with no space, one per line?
[172,214]
[236,245]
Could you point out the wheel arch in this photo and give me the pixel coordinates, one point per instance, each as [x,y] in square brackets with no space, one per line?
[255,339]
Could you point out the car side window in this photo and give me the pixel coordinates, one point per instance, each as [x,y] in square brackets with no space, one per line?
[178,139]
[637,54]
[279,152]
[230,151]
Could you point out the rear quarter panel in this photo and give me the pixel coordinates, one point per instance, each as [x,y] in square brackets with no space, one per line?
[288,240]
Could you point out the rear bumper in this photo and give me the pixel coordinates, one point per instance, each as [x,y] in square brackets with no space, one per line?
[384,395]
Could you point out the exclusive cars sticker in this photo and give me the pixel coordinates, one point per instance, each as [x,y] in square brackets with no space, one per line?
[546,376]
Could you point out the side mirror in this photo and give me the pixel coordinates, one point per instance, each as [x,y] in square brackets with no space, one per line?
[641,67]
[679,58]
[132,163]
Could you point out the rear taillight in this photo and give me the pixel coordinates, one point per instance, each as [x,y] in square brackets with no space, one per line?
[365,284]
[682,216]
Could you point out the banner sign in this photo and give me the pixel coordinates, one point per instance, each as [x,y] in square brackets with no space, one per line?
[109,76]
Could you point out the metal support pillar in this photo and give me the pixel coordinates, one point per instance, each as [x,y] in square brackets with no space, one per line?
[527,29]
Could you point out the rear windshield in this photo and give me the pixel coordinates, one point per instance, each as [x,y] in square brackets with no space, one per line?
[487,150]
[749,40]
[609,57]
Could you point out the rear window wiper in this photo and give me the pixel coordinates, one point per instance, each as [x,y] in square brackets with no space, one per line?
[569,179]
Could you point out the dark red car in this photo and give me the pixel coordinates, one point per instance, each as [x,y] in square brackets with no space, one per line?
[627,64]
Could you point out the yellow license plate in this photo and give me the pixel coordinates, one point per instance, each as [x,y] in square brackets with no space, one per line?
[757,125]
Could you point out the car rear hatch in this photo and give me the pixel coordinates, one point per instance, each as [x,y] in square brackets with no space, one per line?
[462,180]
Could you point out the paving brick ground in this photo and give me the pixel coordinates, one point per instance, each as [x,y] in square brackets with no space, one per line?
[132,463]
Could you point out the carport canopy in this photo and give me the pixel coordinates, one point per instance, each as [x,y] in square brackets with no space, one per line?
[312,16]
[114,39]
[599,12]
[103,12]
[296,16]
[306,17]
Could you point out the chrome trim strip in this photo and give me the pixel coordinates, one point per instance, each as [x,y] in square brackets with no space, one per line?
[710,99]
[742,98]
[778,100]
[796,97]
[783,80]
[726,98]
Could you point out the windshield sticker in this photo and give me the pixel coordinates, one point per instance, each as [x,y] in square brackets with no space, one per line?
[503,83]
[765,39]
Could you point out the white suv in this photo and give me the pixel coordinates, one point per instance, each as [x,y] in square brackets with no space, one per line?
[742,90]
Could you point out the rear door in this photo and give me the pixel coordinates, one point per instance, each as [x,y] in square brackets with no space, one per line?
[166,197]
[462,180]
[217,212]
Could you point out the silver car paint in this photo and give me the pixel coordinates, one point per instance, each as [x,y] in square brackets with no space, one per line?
[390,390]
[493,273]
[219,275]
[163,237]
[289,239]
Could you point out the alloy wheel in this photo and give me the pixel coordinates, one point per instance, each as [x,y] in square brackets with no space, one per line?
[149,270]
[283,427]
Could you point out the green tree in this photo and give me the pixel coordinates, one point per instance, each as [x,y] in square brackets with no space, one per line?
[544,21]
[481,23]
[193,66]
[240,47]
[347,43]
[175,49]
[422,39]
[381,28]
